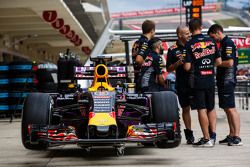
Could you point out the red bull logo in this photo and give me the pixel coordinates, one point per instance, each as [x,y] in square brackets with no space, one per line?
[202,45]
[205,52]
[196,46]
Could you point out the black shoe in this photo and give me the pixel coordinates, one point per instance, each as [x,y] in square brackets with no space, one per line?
[236,141]
[226,140]
[203,143]
[189,136]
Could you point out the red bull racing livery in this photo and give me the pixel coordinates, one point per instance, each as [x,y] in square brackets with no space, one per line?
[105,114]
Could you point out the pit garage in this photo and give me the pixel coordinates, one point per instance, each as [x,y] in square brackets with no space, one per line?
[48,120]
[34,34]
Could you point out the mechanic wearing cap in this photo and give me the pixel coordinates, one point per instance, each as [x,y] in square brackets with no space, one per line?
[226,81]
[176,54]
[140,50]
[201,56]
[151,74]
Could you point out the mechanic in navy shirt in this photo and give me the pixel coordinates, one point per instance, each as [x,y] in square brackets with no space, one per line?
[151,73]
[140,50]
[201,57]
[226,81]
[175,57]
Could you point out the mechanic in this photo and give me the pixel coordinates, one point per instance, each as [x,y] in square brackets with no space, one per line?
[141,49]
[202,55]
[176,54]
[226,81]
[151,74]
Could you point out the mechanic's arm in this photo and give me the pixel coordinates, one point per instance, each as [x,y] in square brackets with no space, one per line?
[169,64]
[141,53]
[230,55]
[160,80]
[159,77]
[218,59]
[139,60]
[227,63]
[187,66]
[218,62]
[173,67]
[188,59]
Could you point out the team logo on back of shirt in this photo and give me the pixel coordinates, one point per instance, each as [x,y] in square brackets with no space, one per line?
[205,52]
[201,49]
[206,61]
[201,45]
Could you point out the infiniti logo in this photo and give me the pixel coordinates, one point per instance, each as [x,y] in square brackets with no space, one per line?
[206,61]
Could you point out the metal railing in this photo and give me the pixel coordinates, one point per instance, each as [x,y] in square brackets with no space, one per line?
[242,92]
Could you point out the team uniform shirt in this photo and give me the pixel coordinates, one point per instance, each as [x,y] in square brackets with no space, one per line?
[201,53]
[227,75]
[149,70]
[175,53]
[140,47]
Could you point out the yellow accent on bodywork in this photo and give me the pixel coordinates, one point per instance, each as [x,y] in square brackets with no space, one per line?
[97,84]
[102,119]
[71,85]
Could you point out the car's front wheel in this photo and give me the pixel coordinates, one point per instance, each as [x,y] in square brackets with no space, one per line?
[165,109]
[36,110]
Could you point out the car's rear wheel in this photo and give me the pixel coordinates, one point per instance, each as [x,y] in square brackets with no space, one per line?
[165,109]
[36,110]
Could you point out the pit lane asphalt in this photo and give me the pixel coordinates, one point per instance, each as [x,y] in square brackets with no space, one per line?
[12,153]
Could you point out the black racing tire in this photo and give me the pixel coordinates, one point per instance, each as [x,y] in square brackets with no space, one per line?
[36,110]
[165,109]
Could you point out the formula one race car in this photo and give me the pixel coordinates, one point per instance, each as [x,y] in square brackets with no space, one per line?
[102,115]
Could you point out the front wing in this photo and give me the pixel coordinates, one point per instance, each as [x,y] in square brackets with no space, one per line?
[136,133]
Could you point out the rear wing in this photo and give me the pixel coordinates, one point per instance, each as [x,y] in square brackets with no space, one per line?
[87,72]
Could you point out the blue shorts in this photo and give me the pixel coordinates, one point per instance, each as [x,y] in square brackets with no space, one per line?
[226,96]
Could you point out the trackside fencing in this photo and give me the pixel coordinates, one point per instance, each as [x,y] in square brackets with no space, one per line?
[242,92]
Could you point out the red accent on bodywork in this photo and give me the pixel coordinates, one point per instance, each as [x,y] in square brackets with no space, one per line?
[35,81]
[34,68]
[52,131]
[62,134]
[91,115]
[29,128]
[174,126]
[112,114]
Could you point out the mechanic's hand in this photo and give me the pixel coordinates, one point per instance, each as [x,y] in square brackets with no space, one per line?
[178,63]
